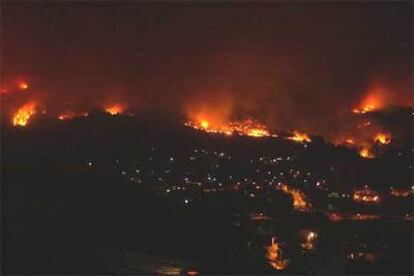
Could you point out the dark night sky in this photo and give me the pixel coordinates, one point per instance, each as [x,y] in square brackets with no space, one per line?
[282,62]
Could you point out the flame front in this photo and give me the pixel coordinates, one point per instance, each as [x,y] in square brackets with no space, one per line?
[114,109]
[23,115]
[274,256]
[383,138]
[299,200]
[245,128]
[300,137]
[366,153]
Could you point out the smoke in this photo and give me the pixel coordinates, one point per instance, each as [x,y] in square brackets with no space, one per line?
[289,65]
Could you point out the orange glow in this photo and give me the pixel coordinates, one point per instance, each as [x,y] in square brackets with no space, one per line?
[400,192]
[350,141]
[23,85]
[366,195]
[274,256]
[71,115]
[299,200]
[65,116]
[23,115]
[308,239]
[244,128]
[383,138]
[374,100]
[300,137]
[335,217]
[204,124]
[365,153]
[114,109]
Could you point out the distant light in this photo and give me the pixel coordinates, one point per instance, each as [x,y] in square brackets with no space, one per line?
[186,201]
[23,85]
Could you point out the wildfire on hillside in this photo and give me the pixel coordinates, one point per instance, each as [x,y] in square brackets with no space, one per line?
[366,195]
[247,127]
[299,199]
[115,109]
[274,255]
[373,101]
[23,114]
[299,137]
[69,115]
[383,138]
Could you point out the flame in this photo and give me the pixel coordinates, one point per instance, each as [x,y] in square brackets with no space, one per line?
[114,109]
[366,195]
[299,200]
[23,114]
[299,137]
[383,138]
[245,128]
[374,100]
[274,256]
[365,153]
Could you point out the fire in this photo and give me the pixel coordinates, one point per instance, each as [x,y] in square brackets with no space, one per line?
[350,141]
[23,114]
[366,195]
[70,115]
[300,137]
[401,192]
[373,101]
[114,109]
[308,239]
[23,85]
[383,138]
[244,128]
[204,124]
[365,153]
[299,200]
[274,256]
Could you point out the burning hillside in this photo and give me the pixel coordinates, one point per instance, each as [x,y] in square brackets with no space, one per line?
[23,114]
[247,127]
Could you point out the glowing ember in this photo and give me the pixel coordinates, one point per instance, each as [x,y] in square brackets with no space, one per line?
[114,109]
[71,115]
[383,138]
[350,141]
[366,195]
[274,256]
[335,217]
[365,153]
[22,116]
[23,85]
[308,240]
[300,137]
[401,192]
[65,116]
[299,200]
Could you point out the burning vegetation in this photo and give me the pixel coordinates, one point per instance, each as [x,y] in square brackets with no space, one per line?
[299,137]
[299,199]
[23,114]
[366,195]
[274,255]
[383,138]
[247,127]
[115,109]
